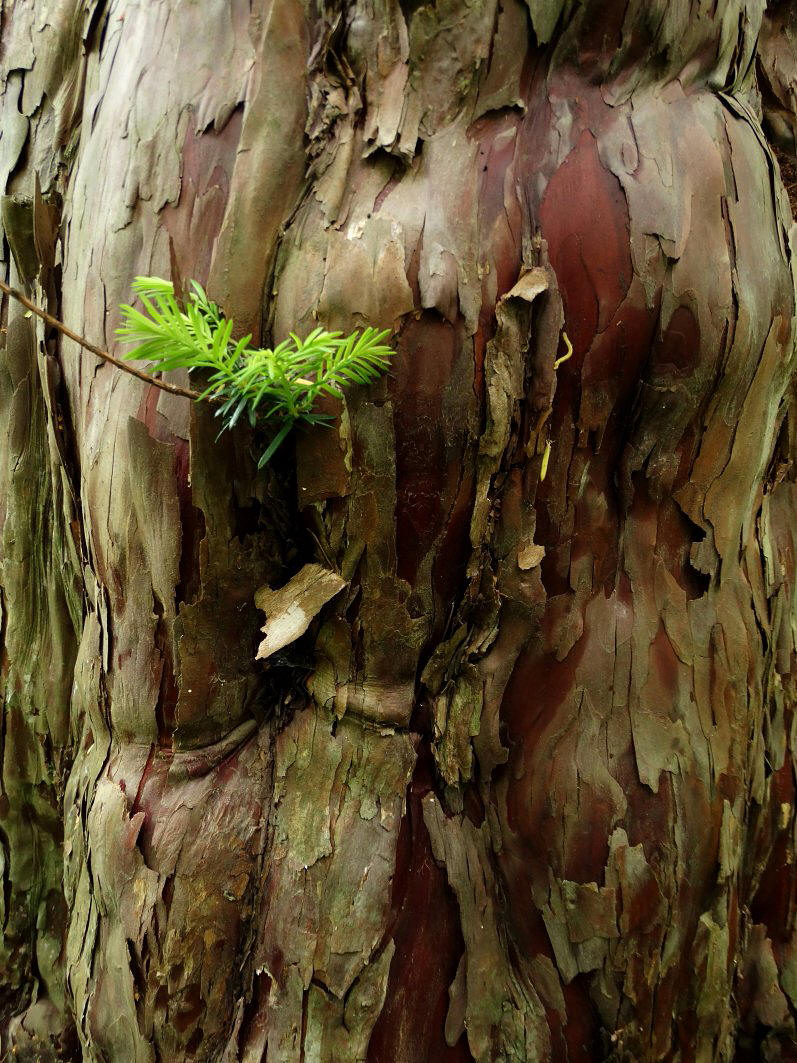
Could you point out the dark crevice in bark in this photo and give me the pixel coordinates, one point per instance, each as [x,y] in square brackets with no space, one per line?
[425,927]
[168,692]
[255,1011]
[193,528]
[788,171]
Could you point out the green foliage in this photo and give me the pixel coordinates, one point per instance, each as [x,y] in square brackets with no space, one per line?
[261,384]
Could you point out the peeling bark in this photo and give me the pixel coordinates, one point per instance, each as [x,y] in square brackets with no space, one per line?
[512,775]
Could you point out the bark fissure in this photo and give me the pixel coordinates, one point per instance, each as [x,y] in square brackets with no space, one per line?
[518,784]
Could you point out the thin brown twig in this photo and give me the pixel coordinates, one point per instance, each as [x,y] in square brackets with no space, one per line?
[126,367]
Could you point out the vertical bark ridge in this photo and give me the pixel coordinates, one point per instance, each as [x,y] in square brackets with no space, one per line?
[524,789]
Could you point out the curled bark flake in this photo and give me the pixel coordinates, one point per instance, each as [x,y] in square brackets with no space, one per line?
[291,609]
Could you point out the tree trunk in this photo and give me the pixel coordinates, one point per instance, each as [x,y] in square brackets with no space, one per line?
[523,789]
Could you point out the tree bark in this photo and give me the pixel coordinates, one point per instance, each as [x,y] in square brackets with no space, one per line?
[522,786]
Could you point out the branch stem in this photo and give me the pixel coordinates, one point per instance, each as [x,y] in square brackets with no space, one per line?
[106,356]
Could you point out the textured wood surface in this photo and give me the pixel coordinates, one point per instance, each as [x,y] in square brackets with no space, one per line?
[523,788]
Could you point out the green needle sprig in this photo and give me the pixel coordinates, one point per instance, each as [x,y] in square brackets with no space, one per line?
[261,384]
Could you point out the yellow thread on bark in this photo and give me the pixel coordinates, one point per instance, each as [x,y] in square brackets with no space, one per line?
[546,457]
[569,354]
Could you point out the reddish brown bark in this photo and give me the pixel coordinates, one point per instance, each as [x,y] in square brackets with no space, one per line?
[524,790]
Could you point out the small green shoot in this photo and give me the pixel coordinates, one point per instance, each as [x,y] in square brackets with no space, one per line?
[261,384]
